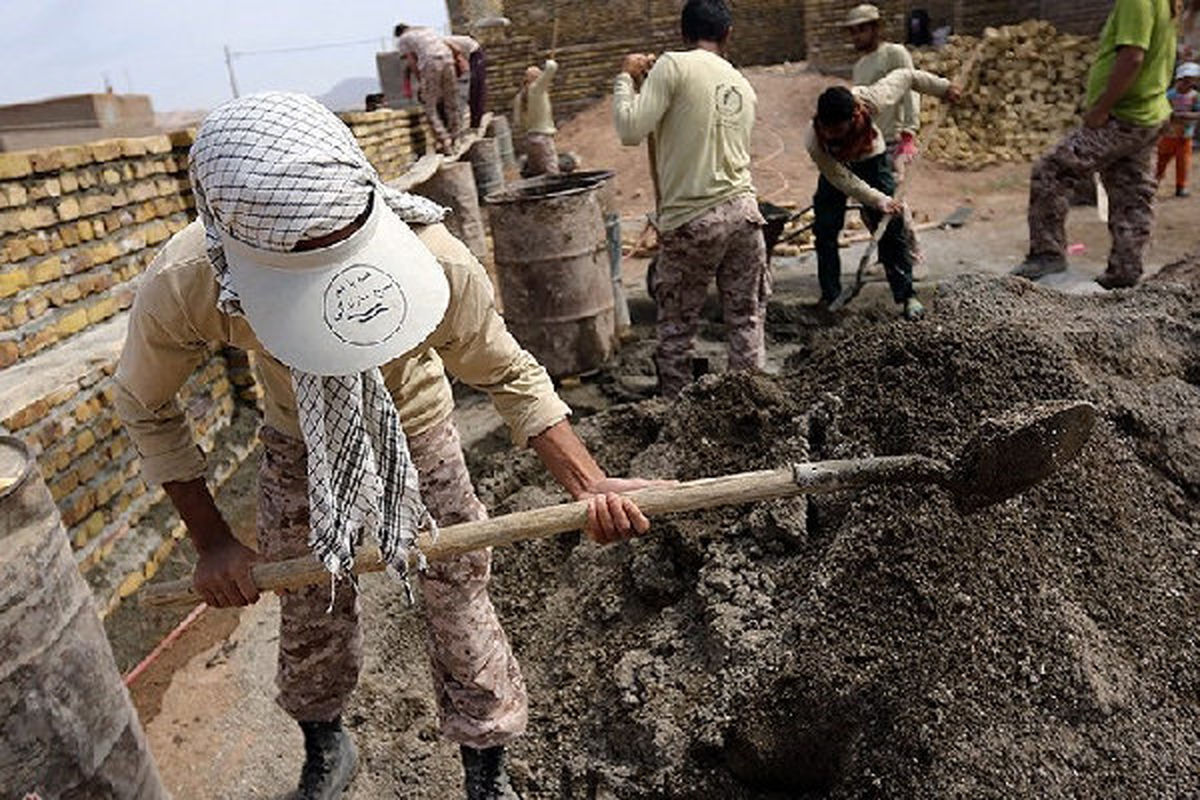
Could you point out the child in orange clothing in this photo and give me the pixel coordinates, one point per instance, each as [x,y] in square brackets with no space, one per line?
[1176,141]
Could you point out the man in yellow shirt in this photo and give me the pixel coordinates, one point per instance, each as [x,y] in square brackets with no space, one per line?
[701,112]
[355,300]
[1127,109]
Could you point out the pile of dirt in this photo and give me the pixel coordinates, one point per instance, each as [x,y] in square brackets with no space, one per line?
[1025,90]
[876,643]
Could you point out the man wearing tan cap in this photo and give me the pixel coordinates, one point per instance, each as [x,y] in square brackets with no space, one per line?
[900,122]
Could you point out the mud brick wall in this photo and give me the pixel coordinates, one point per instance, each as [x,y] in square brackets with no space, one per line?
[593,36]
[87,459]
[78,225]
[829,48]
[391,139]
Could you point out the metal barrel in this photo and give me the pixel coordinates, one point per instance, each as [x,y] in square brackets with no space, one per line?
[553,266]
[501,131]
[67,726]
[484,156]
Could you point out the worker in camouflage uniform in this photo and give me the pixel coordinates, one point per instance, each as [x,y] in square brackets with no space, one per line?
[356,300]
[1127,110]
[701,113]
[431,59]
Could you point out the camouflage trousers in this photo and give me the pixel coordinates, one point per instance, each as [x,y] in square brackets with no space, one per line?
[439,95]
[480,691]
[541,155]
[1123,154]
[725,241]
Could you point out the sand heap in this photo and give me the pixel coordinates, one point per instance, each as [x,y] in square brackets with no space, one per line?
[877,644]
[1027,88]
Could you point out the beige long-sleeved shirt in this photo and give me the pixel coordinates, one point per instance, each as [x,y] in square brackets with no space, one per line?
[175,320]
[904,116]
[701,112]
[881,94]
[531,108]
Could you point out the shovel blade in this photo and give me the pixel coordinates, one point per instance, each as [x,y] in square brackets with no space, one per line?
[1012,453]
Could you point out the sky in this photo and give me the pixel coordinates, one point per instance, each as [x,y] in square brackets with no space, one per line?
[173,51]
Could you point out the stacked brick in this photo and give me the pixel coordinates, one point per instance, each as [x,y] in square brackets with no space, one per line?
[1027,90]
[391,139]
[1084,17]
[78,225]
[87,459]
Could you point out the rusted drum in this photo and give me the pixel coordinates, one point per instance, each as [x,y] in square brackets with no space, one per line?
[552,262]
[603,178]
[484,156]
[453,186]
[501,131]
[67,726]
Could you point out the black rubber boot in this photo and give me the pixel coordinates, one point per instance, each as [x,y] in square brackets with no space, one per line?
[486,778]
[1034,267]
[330,761]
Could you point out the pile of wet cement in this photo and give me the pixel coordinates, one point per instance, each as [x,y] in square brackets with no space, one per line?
[877,643]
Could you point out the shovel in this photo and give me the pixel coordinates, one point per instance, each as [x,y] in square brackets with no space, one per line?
[1006,456]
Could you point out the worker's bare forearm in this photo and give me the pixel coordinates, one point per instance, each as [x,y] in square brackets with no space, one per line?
[206,527]
[567,459]
[1125,71]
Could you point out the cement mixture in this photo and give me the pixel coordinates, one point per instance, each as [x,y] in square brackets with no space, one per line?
[867,644]
[879,644]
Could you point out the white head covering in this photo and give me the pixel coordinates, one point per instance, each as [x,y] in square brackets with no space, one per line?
[270,171]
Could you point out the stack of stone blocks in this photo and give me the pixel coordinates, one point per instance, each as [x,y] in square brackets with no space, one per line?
[391,138]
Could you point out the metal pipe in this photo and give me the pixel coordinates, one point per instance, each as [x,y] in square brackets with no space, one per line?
[612,228]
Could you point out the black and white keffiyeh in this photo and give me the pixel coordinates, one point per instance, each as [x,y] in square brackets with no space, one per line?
[272,170]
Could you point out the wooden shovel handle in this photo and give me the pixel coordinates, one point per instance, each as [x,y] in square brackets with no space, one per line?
[750,487]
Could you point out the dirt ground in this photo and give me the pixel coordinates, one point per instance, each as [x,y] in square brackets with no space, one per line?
[873,644]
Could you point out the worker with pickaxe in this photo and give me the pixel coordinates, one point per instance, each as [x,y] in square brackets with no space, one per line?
[851,152]
[700,110]
[533,112]
[354,299]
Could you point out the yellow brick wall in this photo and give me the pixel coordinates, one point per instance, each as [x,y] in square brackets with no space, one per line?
[88,461]
[77,225]
[391,139]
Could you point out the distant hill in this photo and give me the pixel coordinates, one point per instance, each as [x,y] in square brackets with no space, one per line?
[348,94]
